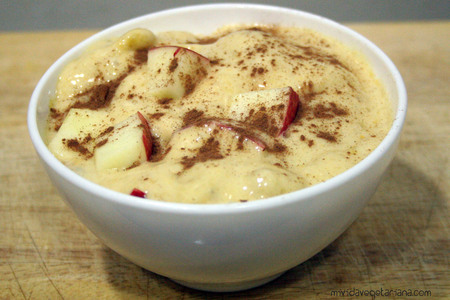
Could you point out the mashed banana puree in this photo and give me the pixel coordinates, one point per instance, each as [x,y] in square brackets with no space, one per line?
[246,113]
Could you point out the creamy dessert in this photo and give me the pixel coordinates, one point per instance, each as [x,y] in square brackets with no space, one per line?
[246,113]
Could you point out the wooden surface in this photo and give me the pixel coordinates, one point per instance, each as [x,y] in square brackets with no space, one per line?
[400,241]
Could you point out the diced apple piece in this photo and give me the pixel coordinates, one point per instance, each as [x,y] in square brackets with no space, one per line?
[138,193]
[271,111]
[77,133]
[175,71]
[128,144]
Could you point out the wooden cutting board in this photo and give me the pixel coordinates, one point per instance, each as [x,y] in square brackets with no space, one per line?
[399,244]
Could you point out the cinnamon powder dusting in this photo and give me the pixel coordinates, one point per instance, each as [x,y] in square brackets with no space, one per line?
[79,146]
[328,112]
[191,117]
[57,117]
[262,120]
[140,56]
[173,65]
[100,95]
[209,151]
[327,136]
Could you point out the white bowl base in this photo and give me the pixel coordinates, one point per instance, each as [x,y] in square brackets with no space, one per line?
[228,287]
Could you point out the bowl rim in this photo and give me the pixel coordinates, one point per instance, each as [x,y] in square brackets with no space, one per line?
[219,208]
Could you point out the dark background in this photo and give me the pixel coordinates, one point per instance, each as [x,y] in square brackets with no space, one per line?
[32,15]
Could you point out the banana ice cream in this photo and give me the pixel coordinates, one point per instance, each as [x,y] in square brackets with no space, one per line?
[246,113]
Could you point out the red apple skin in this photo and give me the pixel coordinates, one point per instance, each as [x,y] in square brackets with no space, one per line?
[291,111]
[138,193]
[146,136]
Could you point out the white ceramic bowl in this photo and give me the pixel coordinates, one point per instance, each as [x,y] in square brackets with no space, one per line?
[223,247]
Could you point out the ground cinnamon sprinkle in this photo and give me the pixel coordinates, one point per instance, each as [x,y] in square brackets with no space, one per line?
[262,121]
[165,102]
[101,143]
[100,95]
[209,151]
[156,116]
[58,118]
[76,146]
[327,136]
[157,151]
[338,111]
[328,112]
[277,148]
[258,71]
[102,134]
[173,65]
[214,62]
[189,84]
[192,116]
[140,56]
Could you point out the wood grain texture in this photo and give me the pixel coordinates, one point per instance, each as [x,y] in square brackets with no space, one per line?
[400,241]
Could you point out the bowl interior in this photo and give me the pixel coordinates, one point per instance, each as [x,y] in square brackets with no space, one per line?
[183,18]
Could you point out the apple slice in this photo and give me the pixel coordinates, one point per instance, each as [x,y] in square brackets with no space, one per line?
[77,133]
[175,71]
[271,110]
[126,145]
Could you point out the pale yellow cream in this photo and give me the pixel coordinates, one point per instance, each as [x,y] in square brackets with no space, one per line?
[345,113]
